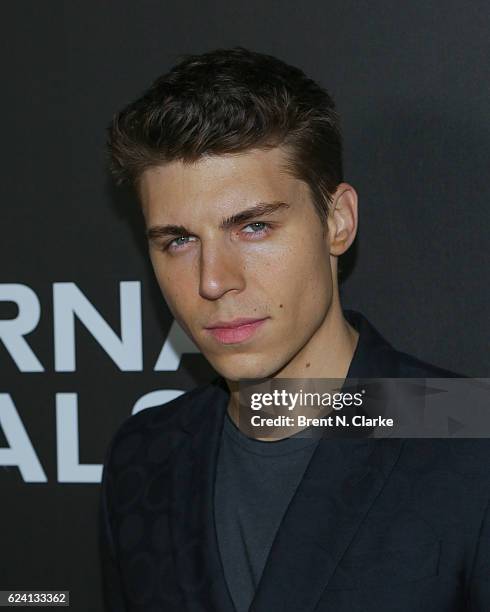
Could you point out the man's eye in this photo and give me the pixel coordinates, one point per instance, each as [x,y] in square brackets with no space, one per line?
[258,227]
[179,242]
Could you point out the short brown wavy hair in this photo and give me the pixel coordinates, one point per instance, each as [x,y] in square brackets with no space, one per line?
[229,101]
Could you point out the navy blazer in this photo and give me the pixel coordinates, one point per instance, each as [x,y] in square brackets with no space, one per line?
[376,525]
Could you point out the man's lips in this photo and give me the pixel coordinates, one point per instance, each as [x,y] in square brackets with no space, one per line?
[233,323]
[237,330]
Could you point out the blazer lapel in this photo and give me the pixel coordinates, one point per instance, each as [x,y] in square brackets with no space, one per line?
[339,486]
[198,563]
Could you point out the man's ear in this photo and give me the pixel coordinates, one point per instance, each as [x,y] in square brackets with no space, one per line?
[342,220]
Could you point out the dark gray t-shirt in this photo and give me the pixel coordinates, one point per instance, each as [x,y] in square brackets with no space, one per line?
[255,482]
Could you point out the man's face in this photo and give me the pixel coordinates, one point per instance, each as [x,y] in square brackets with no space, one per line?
[212,269]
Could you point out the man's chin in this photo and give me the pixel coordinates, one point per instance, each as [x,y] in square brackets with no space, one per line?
[241,371]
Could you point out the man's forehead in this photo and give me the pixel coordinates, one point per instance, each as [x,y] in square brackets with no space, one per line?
[217,184]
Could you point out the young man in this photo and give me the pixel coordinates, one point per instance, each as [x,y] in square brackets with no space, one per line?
[236,160]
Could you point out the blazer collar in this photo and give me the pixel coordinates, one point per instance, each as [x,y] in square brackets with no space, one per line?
[374,356]
[339,486]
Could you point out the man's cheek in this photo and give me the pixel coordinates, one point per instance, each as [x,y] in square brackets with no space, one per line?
[182,308]
[175,302]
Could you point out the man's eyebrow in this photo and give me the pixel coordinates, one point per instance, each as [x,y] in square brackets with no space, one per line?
[159,231]
[259,209]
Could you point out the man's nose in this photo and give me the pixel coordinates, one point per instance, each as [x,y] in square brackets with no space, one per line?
[220,271]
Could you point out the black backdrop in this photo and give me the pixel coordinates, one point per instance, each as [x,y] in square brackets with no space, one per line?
[82,321]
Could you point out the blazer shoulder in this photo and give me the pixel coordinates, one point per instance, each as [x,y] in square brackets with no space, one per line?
[410,366]
[168,417]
